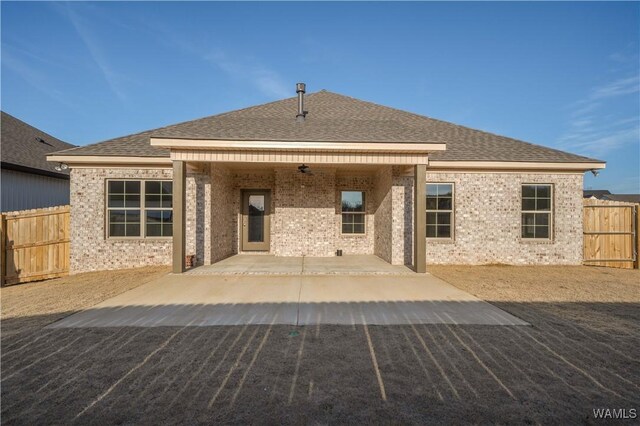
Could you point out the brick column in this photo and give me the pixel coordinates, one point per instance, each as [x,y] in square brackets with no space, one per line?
[179,222]
[420,218]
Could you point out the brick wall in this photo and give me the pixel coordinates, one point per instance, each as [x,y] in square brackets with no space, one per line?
[91,250]
[304,215]
[355,243]
[487,220]
[222,214]
[402,217]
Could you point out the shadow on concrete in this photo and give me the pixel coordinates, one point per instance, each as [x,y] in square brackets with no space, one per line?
[575,357]
[292,313]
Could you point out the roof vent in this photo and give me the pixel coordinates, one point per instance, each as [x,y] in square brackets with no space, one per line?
[39,139]
[300,90]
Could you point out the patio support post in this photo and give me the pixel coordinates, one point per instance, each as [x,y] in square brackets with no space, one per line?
[179,222]
[420,218]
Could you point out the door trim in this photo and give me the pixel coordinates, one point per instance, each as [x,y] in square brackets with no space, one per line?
[245,245]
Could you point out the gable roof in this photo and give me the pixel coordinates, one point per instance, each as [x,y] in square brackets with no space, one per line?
[25,148]
[335,118]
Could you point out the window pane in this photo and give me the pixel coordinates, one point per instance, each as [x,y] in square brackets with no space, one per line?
[152,187]
[132,187]
[116,187]
[542,219]
[543,204]
[352,201]
[444,218]
[132,200]
[154,216]
[444,231]
[152,200]
[528,218]
[117,216]
[358,228]
[527,231]
[154,230]
[116,200]
[432,189]
[358,218]
[167,187]
[431,231]
[133,216]
[256,218]
[528,191]
[431,203]
[167,201]
[116,230]
[167,230]
[542,232]
[528,204]
[431,218]
[347,228]
[133,230]
[445,190]
[444,203]
[543,191]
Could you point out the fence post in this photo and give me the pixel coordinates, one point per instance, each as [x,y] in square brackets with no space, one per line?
[637,241]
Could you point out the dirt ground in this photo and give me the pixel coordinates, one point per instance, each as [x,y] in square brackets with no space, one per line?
[37,304]
[580,353]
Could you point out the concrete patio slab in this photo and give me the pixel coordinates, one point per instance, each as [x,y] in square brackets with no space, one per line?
[262,264]
[208,300]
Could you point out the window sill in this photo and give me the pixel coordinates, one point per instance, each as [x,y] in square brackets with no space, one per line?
[133,239]
[536,241]
[441,240]
[353,235]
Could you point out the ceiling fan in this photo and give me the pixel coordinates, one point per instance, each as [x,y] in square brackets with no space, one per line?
[304,169]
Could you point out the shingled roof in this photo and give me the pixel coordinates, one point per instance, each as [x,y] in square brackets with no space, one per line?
[335,118]
[25,148]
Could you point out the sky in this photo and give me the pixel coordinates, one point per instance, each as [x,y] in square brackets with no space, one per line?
[563,75]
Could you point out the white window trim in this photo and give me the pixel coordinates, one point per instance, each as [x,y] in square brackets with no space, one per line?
[452,211]
[364,213]
[551,213]
[142,208]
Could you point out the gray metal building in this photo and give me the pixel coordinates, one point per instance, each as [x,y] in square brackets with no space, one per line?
[27,180]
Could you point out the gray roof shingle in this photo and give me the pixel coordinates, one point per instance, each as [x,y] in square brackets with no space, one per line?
[336,118]
[25,146]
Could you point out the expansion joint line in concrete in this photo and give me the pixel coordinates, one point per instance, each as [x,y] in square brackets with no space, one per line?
[299,297]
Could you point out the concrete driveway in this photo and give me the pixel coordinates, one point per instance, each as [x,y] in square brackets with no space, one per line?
[206,300]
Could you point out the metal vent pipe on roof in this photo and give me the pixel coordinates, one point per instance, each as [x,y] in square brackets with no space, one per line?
[300,90]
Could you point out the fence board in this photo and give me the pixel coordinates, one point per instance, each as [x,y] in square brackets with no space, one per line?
[610,234]
[35,244]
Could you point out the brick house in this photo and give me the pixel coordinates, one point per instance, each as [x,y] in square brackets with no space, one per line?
[311,175]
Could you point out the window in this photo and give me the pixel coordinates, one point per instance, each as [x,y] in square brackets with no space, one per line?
[353,212]
[439,210]
[158,208]
[536,211]
[134,207]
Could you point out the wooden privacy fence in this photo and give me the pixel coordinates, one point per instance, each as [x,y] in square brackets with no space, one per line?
[35,244]
[610,234]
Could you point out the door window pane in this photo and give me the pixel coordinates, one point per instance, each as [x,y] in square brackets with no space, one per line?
[256,218]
